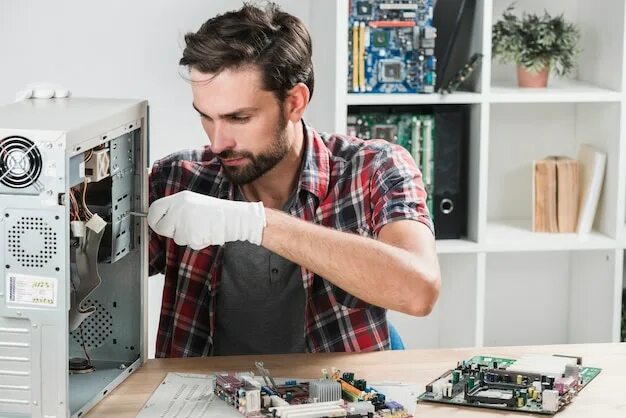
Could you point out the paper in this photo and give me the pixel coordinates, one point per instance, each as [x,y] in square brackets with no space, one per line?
[183,395]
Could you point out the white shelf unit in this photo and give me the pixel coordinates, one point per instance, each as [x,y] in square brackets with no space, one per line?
[504,284]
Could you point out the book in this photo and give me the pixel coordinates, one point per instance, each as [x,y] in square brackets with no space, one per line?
[567,192]
[544,196]
[592,167]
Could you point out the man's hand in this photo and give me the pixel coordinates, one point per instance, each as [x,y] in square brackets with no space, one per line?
[198,220]
[42,91]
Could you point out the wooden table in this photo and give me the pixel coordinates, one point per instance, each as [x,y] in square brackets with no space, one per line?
[604,397]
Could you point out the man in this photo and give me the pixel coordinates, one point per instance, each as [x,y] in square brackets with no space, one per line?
[274,239]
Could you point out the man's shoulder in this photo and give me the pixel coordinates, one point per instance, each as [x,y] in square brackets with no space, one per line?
[187,159]
[181,169]
[345,148]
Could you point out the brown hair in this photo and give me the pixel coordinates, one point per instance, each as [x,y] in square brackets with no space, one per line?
[275,42]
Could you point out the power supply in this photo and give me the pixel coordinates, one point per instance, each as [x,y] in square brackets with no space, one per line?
[72,255]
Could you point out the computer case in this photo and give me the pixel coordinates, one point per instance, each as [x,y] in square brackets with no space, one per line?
[71,292]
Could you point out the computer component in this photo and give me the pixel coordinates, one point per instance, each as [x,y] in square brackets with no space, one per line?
[404,126]
[534,383]
[336,394]
[391,46]
[72,258]
[462,75]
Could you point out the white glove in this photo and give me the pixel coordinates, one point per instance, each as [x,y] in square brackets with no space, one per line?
[197,220]
[42,91]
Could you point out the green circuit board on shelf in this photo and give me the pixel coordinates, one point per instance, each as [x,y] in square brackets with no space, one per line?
[535,384]
[414,132]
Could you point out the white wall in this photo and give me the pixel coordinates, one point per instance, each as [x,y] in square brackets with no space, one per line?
[114,48]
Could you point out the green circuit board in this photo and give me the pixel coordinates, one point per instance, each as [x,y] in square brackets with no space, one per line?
[414,132]
[497,383]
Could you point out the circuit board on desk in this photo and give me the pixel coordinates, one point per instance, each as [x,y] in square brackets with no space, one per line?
[334,395]
[534,384]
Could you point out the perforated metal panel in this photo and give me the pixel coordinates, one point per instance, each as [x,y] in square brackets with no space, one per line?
[97,328]
[32,239]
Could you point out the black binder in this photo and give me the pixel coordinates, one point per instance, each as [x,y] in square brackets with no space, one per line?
[451,171]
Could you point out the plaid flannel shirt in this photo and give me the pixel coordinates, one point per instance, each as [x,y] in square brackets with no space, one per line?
[345,183]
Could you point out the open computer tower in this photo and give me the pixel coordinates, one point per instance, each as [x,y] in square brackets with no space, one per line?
[73,256]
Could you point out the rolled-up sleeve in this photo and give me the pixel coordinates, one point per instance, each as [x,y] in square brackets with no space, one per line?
[397,190]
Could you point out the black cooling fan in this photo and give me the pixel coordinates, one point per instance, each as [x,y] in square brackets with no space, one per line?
[20,162]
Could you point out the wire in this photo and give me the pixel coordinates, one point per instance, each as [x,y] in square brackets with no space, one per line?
[89,156]
[74,211]
[88,213]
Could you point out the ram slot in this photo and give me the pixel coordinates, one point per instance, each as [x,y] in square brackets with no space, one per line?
[355,57]
[416,130]
[362,56]
[428,152]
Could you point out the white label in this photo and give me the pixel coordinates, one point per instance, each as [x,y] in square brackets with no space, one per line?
[31,290]
[81,170]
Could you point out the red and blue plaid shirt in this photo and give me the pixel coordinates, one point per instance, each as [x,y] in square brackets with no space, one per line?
[345,183]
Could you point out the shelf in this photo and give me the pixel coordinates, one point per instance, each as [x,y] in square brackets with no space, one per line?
[409,99]
[516,235]
[558,91]
[453,246]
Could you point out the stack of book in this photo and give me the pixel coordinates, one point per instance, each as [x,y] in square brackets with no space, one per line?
[566,191]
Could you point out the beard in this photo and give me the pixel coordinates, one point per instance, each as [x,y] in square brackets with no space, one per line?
[261,163]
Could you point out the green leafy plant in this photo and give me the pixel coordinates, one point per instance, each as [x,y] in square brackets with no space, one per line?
[535,42]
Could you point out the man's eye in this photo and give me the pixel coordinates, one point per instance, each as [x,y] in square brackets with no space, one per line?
[240,119]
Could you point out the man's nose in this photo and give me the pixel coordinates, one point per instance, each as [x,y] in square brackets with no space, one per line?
[220,139]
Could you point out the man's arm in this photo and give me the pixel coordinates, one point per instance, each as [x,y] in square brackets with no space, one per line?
[399,271]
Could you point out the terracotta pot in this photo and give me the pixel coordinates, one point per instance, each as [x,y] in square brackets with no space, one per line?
[526,78]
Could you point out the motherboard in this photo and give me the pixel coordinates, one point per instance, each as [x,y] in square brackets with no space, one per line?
[536,384]
[391,46]
[412,131]
[334,394]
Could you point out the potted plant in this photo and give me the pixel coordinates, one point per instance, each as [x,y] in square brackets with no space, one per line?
[537,44]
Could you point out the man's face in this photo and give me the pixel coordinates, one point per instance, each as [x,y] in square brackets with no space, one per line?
[245,124]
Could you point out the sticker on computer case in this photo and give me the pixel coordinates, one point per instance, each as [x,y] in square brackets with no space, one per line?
[31,290]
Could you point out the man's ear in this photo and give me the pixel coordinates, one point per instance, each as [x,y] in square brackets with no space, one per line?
[296,102]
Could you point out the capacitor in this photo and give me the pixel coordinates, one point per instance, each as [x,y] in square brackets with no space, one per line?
[531,391]
[507,378]
[520,402]
[455,377]
[470,382]
[524,394]
[519,379]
